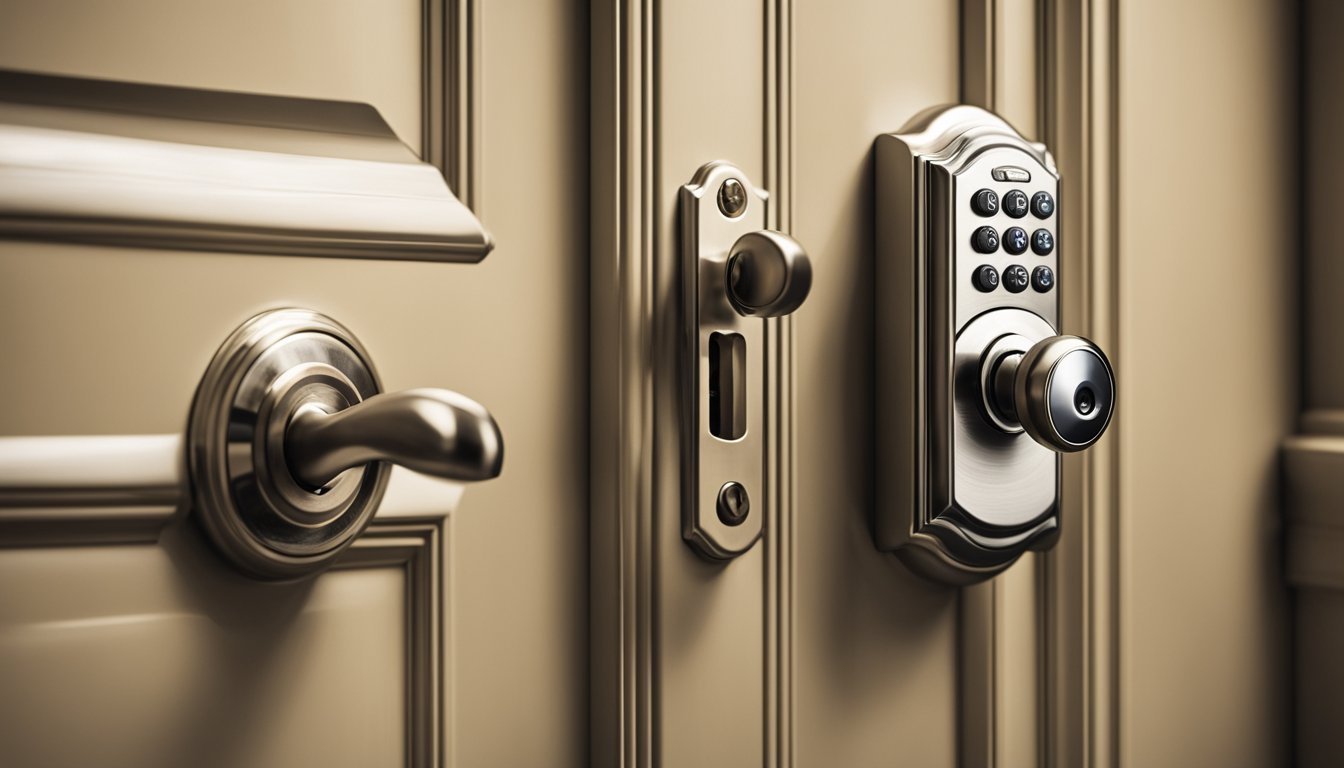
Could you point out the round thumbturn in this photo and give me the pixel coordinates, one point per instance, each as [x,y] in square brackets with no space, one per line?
[734,503]
[769,274]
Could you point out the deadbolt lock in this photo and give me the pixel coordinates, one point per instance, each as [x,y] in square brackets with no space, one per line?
[736,276]
[978,393]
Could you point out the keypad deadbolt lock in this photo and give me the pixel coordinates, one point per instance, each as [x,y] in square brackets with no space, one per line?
[737,274]
[978,392]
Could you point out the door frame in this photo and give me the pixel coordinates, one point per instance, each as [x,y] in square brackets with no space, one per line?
[1057,616]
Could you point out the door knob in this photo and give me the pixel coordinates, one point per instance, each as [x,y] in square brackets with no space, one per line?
[433,431]
[291,442]
[769,274]
[1060,390]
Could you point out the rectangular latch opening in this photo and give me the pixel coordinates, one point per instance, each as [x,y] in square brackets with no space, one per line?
[727,385]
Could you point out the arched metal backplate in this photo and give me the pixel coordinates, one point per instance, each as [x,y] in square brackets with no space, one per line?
[958,499]
[723,474]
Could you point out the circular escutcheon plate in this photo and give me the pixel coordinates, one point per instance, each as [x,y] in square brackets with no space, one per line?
[251,506]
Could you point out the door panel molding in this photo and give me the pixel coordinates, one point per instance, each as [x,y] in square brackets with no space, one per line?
[1081,652]
[417,548]
[160,167]
[780,555]
[452,78]
[105,489]
[101,489]
[621,395]
[126,489]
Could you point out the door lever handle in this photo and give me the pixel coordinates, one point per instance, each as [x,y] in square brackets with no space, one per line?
[292,442]
[433,431]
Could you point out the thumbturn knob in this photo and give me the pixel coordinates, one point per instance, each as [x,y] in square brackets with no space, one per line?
[769,274]
[1061,390]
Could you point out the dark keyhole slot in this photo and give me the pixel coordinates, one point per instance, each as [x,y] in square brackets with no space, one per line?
[727,385]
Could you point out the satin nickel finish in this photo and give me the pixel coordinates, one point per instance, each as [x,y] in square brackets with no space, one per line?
[1061,391]
[1006,480]
[736,274]
[290,442]
[433,431]
[966,375]
[769,274]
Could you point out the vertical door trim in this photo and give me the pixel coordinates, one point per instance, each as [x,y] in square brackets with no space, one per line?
[418,549]
[1080,109]
[1072,609]
[628,356]
[452,77]
[780,407]
[623,194]
[1000,658]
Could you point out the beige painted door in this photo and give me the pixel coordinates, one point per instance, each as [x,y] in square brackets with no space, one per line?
[1155,632]
[453,632]
[555,615]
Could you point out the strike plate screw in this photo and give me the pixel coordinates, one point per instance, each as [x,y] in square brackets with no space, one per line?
[732,198]
[734,504]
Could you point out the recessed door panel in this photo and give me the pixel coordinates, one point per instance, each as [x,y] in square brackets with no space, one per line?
[459,609]
[351,50]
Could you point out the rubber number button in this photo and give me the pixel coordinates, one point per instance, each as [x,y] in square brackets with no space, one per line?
[985,202]
[1042,279]
[1015,204]
[1042,242]
[1015,278]
[1042,205]
[986,278]
[985,240]
[1015,240]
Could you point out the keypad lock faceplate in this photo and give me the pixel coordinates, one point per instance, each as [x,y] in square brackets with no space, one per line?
[968,352]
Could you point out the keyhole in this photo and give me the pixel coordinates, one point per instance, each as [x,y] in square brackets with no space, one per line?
[1084,400]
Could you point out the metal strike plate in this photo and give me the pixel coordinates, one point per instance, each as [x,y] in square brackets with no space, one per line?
[960,497]
[724,424]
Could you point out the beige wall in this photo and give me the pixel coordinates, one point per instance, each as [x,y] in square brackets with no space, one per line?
[1208,366]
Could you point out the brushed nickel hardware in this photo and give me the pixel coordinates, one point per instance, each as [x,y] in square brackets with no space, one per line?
[426,430]
[291,442]
[1061,391]
[736,275]
[769,274]
[978,390]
